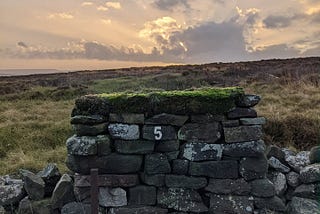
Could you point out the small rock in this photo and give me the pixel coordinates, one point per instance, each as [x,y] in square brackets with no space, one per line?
[238,112]
[314,156]
[310,173]
[242,133]
[299,161]
[180,167]
[215,169]
[277,165]
[134,146]
[33,184]
[182,181]
[262,188]
[230,204]
[311,191]
[248,100]
[253,121]
[202,151]
[167,119]
[91,130]
[156,164]
[280,182]
[273,203]
[76,208]
[303,206]
[198,132]
[124,131]
[112,197]
[127,118]
[293,179]
[245,149]
[172,155]
[229,186]
[42,207]
[63,192]
[142,195]
[87,120]
[253,168]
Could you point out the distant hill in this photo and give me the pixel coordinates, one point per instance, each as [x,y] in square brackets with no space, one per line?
[19,72]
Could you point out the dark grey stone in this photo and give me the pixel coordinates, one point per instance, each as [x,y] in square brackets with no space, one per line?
[107,180]
[310,173]
[262,188]
[151,132]
[238,112]
[230,123]
[230,204]
[229,186]
[50,175]
[157,180]
[242,133]
[303,206]
[167,146]
[215,169]
[156,164]
[134,146]
[253,121]
[91,130]
[180,167]
[279,181]
[172,155]
[315,155]
[248,100]
[63,192]
[124,131]
[33,184]
[142,195]
[11,194]
[25,207]
[277,165]
[138,210]
[202,151]
[273,203]
[87,119]
[167,119]
[275,151]
[112,197]
[206,118]
[43,206]
[182,181]
[180,199]
[245,149]
[293,179]
[194,132]
[299,161]
[253,168]
[76,208]
[111,164]
[311,191]
[127,118]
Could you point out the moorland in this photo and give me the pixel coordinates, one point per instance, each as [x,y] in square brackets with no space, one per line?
[35,109]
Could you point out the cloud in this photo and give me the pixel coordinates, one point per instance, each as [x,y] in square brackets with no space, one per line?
[102,8]
[170,4]
[114,5]
[86,3]
[22,44]
[277,21]
[106,21]
[60,16]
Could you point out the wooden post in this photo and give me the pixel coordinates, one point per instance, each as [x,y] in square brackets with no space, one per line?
[94,191]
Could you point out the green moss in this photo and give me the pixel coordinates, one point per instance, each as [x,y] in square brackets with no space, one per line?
[193,101]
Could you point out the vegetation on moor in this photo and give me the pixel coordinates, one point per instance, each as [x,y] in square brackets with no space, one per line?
[35,110]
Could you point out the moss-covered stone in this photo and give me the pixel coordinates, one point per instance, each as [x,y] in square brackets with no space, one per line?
[193,101]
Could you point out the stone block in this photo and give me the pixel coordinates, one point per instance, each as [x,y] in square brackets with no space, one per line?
[157,180]
[180,167]
[230,204]
[11,194]
[248,100]
[182,181]
[167,146]
[314,156]
[262,188]
[63,193]
[50,175]
[242,133]
[310,173]
[303,206]
[293,179]
[215,169]
[33,184]
[112,197]
[185,200]
[90,130]
[107,180]
[151,132]
[87,119]
[253,121]
[311,191]
[167,119]
[127,118]
[229,186]
[238,112]
[273,203]
[245,149]
[142,195]
[111,164]
[138,210]
[76,208]
[194,132]
[172,155]
[253,168]
[124,131]
[134,146]
[156,164]
[202,151]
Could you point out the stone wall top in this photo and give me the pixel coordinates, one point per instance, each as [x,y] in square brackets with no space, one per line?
[195,101]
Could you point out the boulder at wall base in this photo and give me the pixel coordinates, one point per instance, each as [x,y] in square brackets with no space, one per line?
[310,173]
[253,168]
[311,191]
[33,184]
[280,182]
[230,204]
[50,175]
[303,206]
[179,199]
[137,210]
[111,164]
[277,165]
[215,169]
[11,194]
[124,131]
[26,206]
[182,181]
[229,186]
[208,133]
[238,112]
[63,192]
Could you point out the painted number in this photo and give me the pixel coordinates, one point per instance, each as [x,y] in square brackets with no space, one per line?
[157,133]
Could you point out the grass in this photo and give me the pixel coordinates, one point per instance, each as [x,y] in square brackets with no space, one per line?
[34,125]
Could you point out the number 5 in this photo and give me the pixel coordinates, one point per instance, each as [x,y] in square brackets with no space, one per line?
[157,133]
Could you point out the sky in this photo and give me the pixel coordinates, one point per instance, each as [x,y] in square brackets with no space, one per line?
[98,34]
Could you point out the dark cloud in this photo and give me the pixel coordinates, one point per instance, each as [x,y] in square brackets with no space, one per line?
[22,44]
[277,21]
[276,51]
[170,4]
